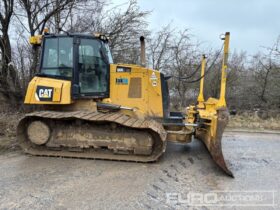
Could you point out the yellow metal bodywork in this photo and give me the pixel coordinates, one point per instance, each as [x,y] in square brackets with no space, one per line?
[61,91]
[222,99]
[200,98]
[212,115]
[147,102]
[208,109]
[144,97]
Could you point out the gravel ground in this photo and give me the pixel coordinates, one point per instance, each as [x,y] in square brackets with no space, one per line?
[187,171]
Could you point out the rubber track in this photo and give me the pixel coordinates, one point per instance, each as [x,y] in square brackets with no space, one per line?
[158,133]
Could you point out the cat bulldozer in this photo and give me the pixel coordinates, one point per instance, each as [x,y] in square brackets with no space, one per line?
[90,107]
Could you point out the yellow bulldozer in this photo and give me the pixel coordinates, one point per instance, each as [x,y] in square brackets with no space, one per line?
[90,107]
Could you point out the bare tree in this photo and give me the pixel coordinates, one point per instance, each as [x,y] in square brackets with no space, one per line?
[9,86]
[159,48]
[123,26]
[175,53]
[6,12]
[185,57]
[267,76]
[22,58]
[37,14]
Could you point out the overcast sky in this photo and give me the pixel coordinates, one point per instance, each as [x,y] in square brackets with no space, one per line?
[252,23]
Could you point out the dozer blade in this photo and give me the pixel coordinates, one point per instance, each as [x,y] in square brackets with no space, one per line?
[210,133]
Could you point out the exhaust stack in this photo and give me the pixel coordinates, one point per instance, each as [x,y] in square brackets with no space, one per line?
[143,51]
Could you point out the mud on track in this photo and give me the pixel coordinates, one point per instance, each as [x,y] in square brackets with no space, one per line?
[41,182]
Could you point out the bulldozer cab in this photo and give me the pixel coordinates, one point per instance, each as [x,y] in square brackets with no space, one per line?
[83,59]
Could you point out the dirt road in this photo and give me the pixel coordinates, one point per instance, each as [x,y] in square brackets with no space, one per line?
[28,182]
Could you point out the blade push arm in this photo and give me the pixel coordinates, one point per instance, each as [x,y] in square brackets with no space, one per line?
[222,99]
[212,115]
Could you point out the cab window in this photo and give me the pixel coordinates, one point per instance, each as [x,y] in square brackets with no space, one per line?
[93,67]
[58,57]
